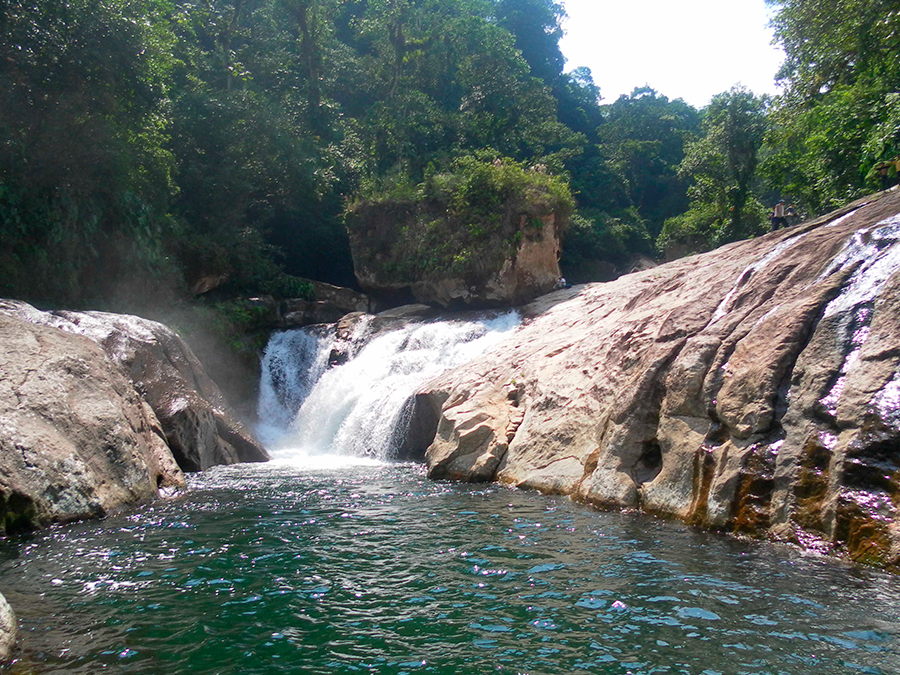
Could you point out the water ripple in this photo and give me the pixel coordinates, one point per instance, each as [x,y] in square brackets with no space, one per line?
[272,569]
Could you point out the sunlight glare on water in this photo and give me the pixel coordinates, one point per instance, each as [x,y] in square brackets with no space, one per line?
[271,569]
[300,458]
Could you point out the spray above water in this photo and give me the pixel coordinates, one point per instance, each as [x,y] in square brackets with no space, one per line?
[307,408]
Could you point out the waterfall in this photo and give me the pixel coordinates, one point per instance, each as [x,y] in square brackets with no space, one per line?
[307,408]
[291,364]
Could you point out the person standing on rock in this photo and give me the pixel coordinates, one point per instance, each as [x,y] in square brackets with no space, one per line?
[791,215]
[778,219]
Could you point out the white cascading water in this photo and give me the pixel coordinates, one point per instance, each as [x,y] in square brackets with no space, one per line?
[307,409]
[876,253]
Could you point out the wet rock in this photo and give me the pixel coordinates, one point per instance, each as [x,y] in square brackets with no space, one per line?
[8,629]
[330,303]
[76,439]
[355,330]
[416,429]
[754,389]
[197,423]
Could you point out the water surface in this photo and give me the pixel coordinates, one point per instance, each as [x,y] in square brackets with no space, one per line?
[371,568]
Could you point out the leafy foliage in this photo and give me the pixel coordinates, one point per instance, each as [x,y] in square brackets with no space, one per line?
[722,165]
[149,146]
[84,171]
[838,117]
[463,222]
[644,136]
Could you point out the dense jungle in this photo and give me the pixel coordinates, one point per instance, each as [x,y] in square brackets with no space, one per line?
[154,151]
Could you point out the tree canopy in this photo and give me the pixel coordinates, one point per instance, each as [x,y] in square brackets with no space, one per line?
[159,146]
[840,114]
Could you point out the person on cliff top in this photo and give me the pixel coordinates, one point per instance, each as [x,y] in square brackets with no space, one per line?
[778,219]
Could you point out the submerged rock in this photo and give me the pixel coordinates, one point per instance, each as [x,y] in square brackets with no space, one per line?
[753,389]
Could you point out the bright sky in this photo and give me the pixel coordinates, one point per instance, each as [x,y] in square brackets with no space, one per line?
[690,49]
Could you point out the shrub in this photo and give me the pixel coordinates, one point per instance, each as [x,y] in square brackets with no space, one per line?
[464,221]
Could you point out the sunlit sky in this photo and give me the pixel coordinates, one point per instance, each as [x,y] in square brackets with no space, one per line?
[690,49]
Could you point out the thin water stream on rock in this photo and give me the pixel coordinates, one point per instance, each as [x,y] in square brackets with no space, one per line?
[331,560]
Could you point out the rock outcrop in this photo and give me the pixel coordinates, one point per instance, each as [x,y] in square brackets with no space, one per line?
[330,304]
[197,423]
[753,389]
[483,234]
[76,439]
[8,629]
[530,268]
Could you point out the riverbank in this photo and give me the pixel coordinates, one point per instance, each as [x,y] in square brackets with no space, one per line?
[750,390]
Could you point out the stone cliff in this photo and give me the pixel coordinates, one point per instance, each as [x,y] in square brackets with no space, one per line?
[99,411]
[530,267]
[486,234]
[753,390]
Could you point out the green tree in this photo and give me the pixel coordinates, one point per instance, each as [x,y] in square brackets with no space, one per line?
[838,115]
[536,27]
[722,166]
[260,153]
[85,174]
[644,136]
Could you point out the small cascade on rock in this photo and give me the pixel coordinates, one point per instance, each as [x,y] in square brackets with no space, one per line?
[748,272]
[876,255]
[353,407]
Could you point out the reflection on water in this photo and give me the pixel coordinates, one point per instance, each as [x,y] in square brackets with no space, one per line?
[373,569]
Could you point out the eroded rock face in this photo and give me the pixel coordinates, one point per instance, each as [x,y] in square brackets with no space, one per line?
[527,268]
[196,421]
[76,439]
[753,389]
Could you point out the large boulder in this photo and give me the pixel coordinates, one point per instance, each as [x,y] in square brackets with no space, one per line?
[753,389]
[485,234]
[197,423]
[76,439]
[529,268]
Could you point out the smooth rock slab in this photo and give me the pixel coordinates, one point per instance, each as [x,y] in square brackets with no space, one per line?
[753,389]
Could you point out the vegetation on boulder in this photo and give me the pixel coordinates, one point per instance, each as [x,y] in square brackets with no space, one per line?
[464,222]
